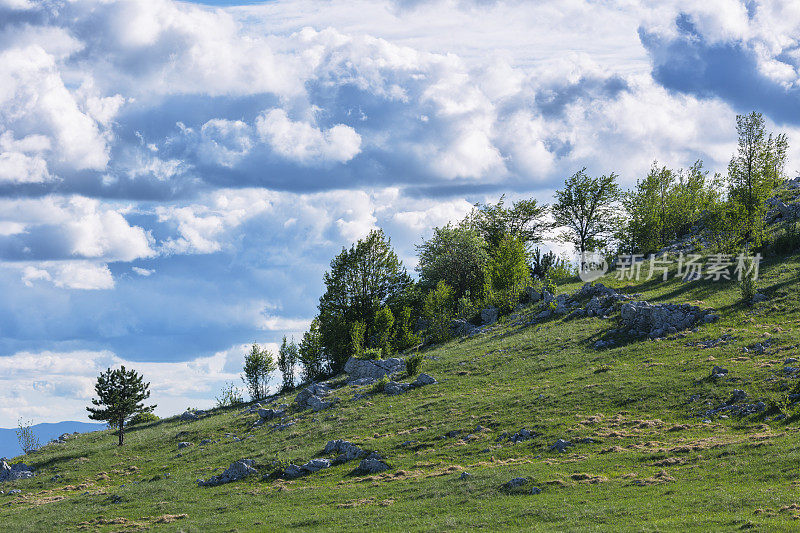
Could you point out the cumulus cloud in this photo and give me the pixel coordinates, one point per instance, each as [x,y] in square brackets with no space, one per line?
[305,143]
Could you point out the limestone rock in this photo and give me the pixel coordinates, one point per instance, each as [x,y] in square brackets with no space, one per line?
[373,369]
[237,471]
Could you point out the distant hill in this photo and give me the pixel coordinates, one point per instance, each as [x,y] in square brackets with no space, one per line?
[9,447]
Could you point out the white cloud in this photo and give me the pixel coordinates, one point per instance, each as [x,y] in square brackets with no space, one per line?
[143,271]
[305,143]
[80,275]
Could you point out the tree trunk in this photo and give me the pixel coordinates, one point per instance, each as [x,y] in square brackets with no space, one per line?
[121,432]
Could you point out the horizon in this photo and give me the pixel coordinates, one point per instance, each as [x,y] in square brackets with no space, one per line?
[175,177]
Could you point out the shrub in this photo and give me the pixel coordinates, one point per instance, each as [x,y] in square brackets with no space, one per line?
[465,308]
[414,364]
[25,437]
[379,385]
[748,288]
[384,322]
[230,395]
[143,418]
[404,337]
[372,354]
[258,365]
[357,331]
[438,308]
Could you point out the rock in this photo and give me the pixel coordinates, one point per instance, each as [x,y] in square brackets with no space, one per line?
[320,390]
[317,404]
[560,445]
[237,471]
[521,436]
[392,388]
[532,294]
[269,414]
[423,379]
[489,316]
[516,482]
[465,475]
[316,465]
[656,320]
[189,416]
[15,471]
[758,298]
[373,369]
[372,466]
[361,382]
[737,396]
[292,472]
[536,490]
[14,491]
[206,441]
[462,328]
[718,372]
[346,451]
[184,445]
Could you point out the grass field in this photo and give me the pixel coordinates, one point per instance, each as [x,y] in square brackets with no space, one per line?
[656,463]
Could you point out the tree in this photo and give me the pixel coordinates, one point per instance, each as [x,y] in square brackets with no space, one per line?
[361,281]
[541,264]
[438,309]
[456,255]
[26,438]
[287,359]
[404,336]
[384,322]
[524,220]
[754,171]
[311,353]
[120,393]
[586,207]
[258,365]
[507,273]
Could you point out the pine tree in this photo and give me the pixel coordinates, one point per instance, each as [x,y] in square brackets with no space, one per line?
[120,393]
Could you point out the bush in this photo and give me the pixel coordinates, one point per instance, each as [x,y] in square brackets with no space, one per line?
[438,308]
[414,364]
[384,322]
[748,288]
[230,395]
[357,331]
[25,437]
[404,337]
[379,385]
[373,354]
[143,418]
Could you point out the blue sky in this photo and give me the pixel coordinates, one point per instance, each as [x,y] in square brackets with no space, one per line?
[175,177]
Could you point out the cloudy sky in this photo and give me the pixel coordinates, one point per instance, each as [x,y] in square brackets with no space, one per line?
[175,177]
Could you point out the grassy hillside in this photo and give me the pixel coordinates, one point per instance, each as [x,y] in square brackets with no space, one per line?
[654,462]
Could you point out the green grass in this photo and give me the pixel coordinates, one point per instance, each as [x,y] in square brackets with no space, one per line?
[657,466]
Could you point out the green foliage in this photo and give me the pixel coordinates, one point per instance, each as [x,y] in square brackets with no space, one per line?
[542,263]
[371,354]
[229,396]
[357,330]
[466,308]
[524,221]
[753,173]
[287,359]
[258,365]
[311,354]
[414,364]
[361,281]
[665,205]
[455,255]
[747,286]
[507,274]
[27,440]
[549,285]
[143,418]
[404,336]
[119,396]
[587,208]
[380,385]
[438,309]
[384,322]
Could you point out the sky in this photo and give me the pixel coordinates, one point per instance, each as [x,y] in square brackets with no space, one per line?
[175,177]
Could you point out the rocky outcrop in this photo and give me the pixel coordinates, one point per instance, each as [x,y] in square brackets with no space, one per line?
[312,397]
[346,451]
[14,472]
[238,470]
[373,369]
[658,320]
[489,316]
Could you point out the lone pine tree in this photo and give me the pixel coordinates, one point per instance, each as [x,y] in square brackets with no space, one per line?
[120,393]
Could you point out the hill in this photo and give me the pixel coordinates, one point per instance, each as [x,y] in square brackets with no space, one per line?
[9,447]
[655,441]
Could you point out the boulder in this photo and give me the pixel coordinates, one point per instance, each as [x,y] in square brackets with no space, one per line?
[423,379]
[316,465]
[182,445]
[718,372]
[238,470]
[15,471]
[560,446]
[516,482]
[312,396]
[656,320]
[373,369]
[393,388]
[372,466]
[462,328]
[317,404]
[346,451]
[269,414]
[489,316]
[189,416]
[532,294]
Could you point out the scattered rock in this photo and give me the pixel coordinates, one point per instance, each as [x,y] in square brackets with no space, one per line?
[237,471]
[560,445]
[489,316]
[184,445]
[464,476]
[15,471]
[657,320]
[372,466]
[536,490]
[392,388]
[373,369]
[718,372]
[189,416]
[346,451]
[516,482]
[423,379]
